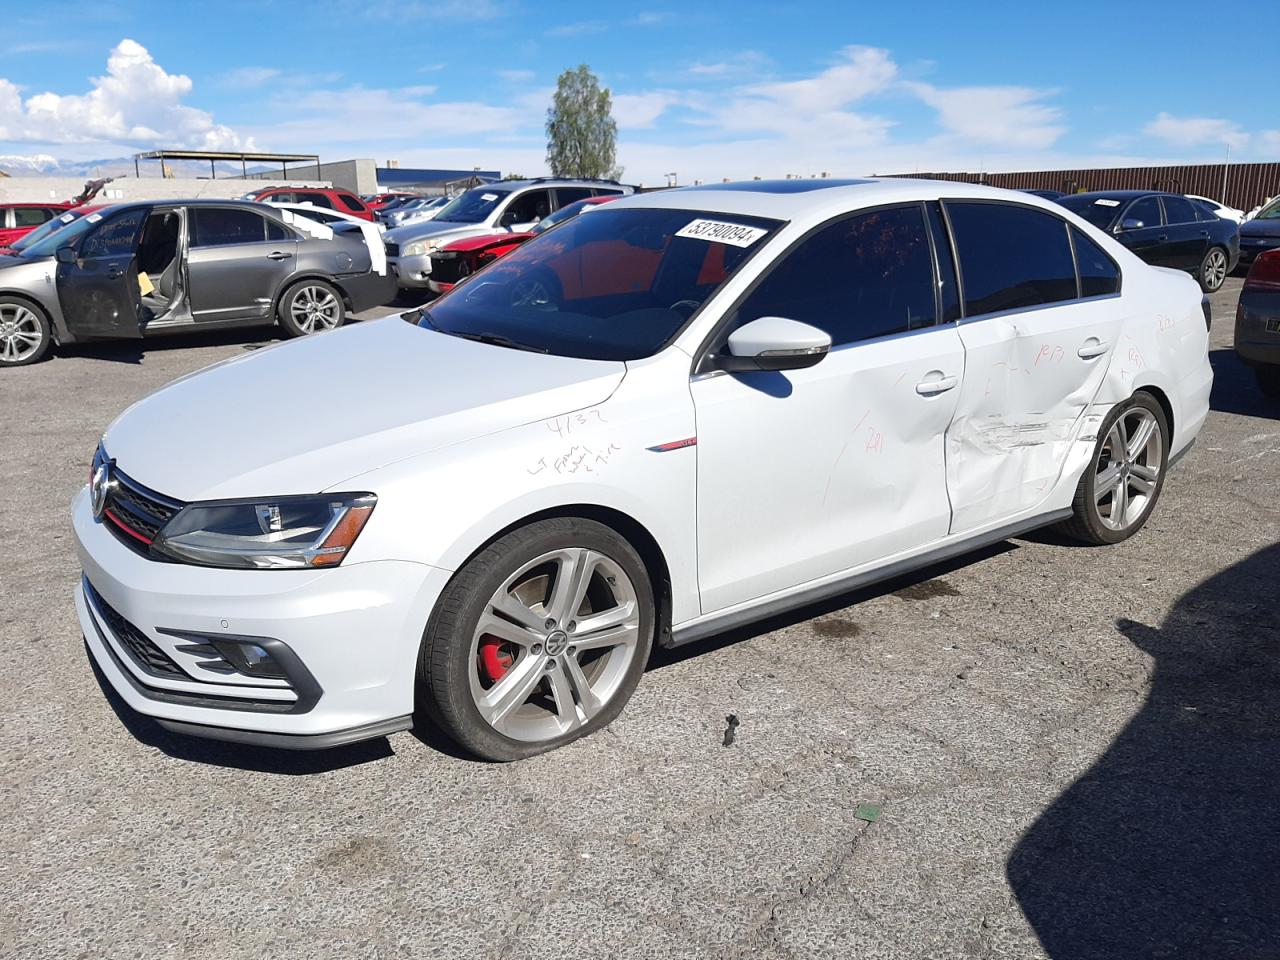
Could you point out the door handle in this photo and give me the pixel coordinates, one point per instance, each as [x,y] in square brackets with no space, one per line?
[1093,347]
[1204,233]
[279,255]
[928,388]
[114,274]
[1163,236]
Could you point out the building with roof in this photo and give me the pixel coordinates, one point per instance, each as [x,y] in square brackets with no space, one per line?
[364,176]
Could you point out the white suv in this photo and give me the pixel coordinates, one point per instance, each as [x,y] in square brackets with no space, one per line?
[688,410]
[514,206]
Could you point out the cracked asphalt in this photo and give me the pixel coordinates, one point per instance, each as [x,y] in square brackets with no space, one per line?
[1073,752]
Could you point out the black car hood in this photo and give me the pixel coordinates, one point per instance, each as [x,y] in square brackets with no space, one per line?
[1260,228]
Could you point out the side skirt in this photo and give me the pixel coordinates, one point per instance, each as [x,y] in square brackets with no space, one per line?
[719,623]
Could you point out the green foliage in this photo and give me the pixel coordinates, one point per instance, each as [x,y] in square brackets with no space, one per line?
[581,133]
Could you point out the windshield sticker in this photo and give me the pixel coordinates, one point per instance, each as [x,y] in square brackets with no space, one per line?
[1106,203]
[94,217]
[67,217]
[717,231]
[488,197]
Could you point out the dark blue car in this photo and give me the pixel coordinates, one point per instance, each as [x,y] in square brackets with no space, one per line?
[1260,234]
[1164,229]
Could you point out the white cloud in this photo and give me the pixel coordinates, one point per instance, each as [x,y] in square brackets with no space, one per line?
[137,103]
[516,76]
[581,28]
[640,110]
[244,78]
[863,71]
[1002,116]
[1195,131]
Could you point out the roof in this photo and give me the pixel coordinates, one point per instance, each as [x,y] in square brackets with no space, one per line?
[1119,194]
[388,176]
[227,155]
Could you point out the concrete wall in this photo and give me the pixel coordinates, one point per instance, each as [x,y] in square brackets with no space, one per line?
[36,189]
[358,176]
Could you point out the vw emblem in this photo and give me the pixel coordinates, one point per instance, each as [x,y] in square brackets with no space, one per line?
[98,488]
[557,640]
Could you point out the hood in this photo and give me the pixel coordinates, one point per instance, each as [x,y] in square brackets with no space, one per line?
[482,240]
[305,415]
[1260,228]
[431,228]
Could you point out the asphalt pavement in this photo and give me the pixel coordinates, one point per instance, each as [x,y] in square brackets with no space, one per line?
[1040,750]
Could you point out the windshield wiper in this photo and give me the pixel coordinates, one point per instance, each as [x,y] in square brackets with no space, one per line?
[497,340]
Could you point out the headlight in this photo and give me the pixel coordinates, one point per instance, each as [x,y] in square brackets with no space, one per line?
[287,533]
[420,248]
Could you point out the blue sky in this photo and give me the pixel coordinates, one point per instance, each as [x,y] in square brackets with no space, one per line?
[706,90]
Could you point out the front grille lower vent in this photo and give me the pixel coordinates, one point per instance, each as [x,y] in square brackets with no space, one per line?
[145,654]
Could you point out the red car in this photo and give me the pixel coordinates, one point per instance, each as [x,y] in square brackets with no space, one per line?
[457,261]
[344,201]
[380,200]
[19,219]
[46,228]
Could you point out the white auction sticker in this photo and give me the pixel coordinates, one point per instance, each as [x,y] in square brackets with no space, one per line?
[67,217]
[717,231]
[1106,203]
[488,197]
[94,217]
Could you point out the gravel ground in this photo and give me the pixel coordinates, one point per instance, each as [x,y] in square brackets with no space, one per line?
[1040,750]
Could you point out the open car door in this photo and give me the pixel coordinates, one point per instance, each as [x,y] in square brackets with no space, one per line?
[98,278]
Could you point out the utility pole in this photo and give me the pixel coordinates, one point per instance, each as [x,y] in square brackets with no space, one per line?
[1225,168]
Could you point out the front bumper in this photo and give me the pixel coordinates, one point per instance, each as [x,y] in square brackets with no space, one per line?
[1250,250]
[412,273]
[354,631]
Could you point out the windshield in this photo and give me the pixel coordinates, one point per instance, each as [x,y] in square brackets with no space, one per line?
[1270,212]
[616,285]
[474,206]
[42,231]
[1099,211]
[69,234]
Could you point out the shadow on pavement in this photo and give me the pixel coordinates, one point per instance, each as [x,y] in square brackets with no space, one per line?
[1169,846]
[1235,390]
[235,755]
[133,351]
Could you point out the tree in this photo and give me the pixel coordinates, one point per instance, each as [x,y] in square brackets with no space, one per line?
[581,133]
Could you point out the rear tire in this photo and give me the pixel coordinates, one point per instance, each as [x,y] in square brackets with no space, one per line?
[538,640]
[25,332]
[1123,481]
[311,306]
[1213,270]
[1268,377]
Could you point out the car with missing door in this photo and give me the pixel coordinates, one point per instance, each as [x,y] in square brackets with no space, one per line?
[682,412]
[143,269]
[1164,229]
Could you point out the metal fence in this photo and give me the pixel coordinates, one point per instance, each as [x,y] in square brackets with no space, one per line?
[1246,184]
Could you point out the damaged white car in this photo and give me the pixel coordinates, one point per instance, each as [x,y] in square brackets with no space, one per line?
[688,410]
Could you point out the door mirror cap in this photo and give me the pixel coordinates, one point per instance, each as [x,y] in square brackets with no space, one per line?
[65,255]
[1131,223]
[774,343]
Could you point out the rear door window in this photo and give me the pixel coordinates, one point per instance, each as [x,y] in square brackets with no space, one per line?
[315,197]
[861,277]
[1011,257]
[1178,210]
[568,195]
[351,203]
[31,216]
[1099,274]
[224,226]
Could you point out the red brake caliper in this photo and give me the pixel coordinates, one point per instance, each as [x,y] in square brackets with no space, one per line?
[495,659]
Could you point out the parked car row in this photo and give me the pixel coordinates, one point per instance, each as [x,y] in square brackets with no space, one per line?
[140,269]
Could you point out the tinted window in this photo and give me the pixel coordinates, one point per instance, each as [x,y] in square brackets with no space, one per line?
[315,198]
[276,231]
[1010,257]
[1178,210]
[1098,273]
[351,203]
[862,277]
[1205,211]
[567,195]
[113,238]
[607,192]
[1146,210]
[216,227]
[30,216]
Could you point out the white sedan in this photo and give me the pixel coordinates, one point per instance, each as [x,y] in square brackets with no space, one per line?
[687,411]
[1220,209]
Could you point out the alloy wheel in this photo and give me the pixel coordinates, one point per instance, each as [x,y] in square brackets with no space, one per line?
[315,309]
[1128,469]
[20,333]
[1215,269]
[554,644]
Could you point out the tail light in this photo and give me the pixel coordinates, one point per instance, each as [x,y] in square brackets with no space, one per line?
[1265,272]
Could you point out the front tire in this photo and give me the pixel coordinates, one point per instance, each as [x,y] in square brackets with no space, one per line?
[540,639]
[1213,270]
[25,333]
[311,306]
[1123,482]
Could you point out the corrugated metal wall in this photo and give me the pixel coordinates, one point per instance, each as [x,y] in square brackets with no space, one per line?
[1247,183]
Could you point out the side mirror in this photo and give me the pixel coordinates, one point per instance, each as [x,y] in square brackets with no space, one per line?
[65,255]
[1129,223]
[774,343]
[509,219]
